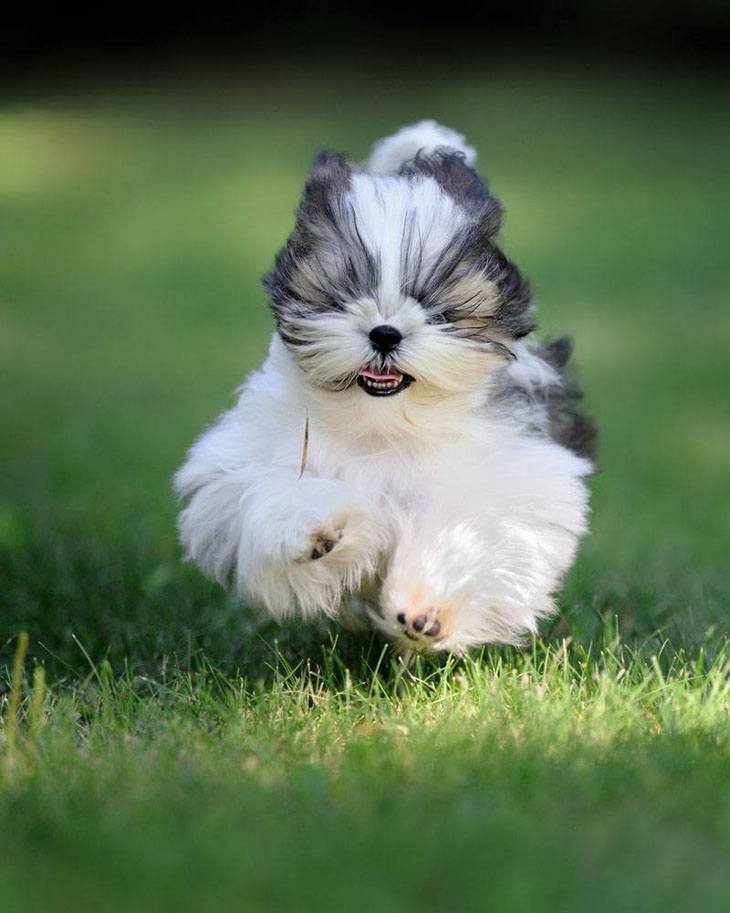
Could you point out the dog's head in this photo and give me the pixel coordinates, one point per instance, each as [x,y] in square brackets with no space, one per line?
[396,281]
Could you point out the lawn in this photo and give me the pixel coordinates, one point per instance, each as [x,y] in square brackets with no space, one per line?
[158,751]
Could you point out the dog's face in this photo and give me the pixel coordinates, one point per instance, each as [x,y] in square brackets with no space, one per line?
[393,282]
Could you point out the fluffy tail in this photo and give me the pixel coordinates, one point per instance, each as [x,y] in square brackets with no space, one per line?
[390,153]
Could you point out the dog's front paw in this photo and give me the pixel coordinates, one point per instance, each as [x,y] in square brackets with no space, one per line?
[422,628]
[419,617]
[322,541]
[332,539]
[331,528]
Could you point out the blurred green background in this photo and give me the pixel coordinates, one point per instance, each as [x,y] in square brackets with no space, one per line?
[137,219]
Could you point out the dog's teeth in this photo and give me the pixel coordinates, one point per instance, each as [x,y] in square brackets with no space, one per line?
[383,385]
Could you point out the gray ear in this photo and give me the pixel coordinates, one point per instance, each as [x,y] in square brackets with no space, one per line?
[326,184]
[450,168]
[299,282]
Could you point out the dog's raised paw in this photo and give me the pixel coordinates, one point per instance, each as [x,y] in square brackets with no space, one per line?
[322,542]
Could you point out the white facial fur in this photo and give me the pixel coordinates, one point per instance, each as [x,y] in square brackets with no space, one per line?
[336,342]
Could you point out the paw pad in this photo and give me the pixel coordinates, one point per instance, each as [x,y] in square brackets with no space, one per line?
[421,625]
[323,541]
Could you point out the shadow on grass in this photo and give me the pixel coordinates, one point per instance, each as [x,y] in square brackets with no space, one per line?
[85,603]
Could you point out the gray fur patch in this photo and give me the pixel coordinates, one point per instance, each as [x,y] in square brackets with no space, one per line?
[325,262]
[462,182]
[552,409]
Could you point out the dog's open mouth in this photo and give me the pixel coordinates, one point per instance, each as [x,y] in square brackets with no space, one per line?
[386,384]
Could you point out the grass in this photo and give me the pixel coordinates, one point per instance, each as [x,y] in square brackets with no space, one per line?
[157,751]
[543,780]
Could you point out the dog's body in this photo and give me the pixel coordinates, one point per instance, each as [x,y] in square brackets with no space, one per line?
[402,449]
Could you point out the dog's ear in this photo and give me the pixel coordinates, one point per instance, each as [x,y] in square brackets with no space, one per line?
[327,183]
[450,168]
[297,280]
[329,174]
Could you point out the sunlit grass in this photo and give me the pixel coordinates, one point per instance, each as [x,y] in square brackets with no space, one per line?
[527,771]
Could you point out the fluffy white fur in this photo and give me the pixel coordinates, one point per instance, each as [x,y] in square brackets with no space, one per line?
[389,154]
[438,503]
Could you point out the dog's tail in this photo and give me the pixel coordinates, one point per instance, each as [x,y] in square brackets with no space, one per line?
[425,137]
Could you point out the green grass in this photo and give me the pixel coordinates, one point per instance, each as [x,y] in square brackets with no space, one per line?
[169,755]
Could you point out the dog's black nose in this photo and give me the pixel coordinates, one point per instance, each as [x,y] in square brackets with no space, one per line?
[385,338]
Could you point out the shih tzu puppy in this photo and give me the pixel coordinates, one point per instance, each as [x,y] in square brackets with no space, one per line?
[404,455]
